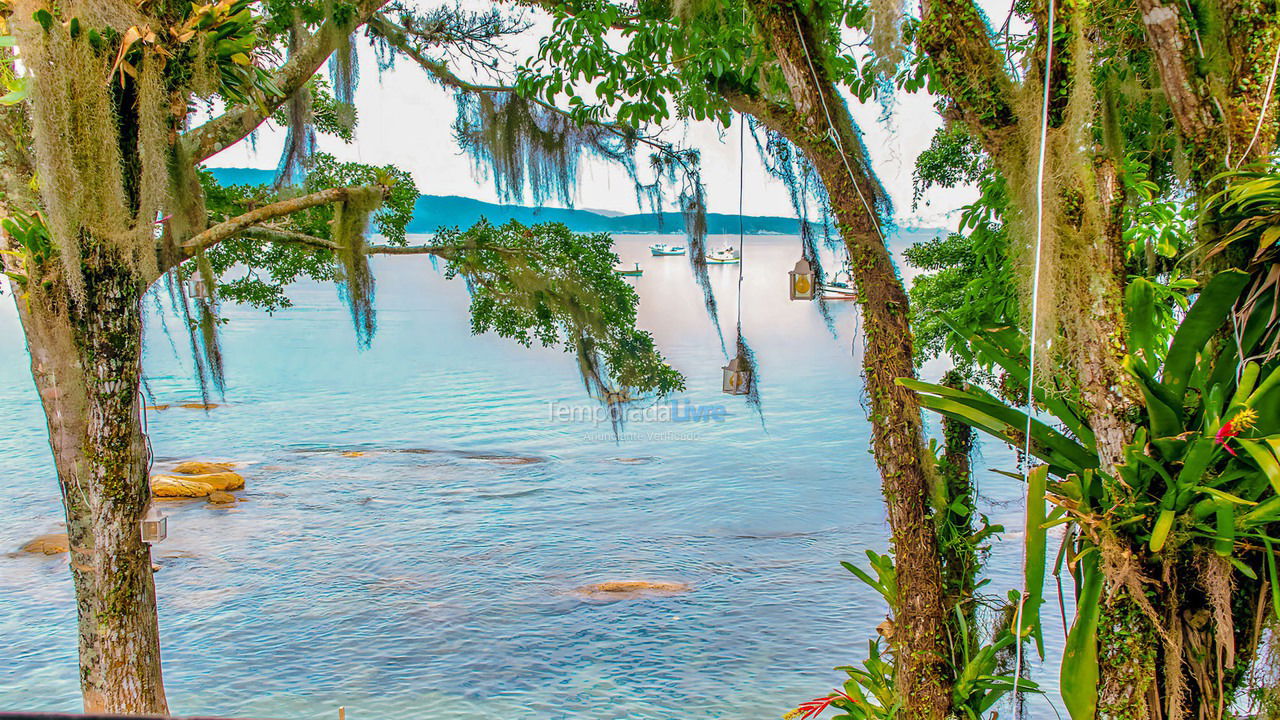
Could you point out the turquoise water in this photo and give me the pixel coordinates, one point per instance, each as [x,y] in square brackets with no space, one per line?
[431,576]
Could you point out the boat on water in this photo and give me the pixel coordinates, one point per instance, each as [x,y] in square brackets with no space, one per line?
[660,249]
[629,272]
[838,289]
[724,256]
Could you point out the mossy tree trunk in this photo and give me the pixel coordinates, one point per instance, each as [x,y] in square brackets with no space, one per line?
[1160,656]
[955,524]
[86,362]
[813,109]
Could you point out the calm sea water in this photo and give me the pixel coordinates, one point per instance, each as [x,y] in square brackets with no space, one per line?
[431,576]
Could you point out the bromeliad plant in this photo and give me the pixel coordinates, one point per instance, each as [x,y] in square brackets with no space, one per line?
[1184,531]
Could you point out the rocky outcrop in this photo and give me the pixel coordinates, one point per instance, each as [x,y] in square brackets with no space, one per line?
[221,498]
[203,467]
[54,544]
[172,486]
[195,485]
[627,589]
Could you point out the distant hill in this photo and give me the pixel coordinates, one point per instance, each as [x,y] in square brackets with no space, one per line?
[434,211]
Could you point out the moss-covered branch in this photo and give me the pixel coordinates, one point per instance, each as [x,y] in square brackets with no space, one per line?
[239,121]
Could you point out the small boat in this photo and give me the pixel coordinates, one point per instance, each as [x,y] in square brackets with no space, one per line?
[660,249]
[724,256]
[630,272]
[839,289]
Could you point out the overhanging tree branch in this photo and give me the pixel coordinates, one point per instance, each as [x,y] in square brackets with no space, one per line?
[237,122]
[239,224]
[954,34]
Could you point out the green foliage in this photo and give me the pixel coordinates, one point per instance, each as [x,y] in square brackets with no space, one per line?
[1248,209]
[15,88]
[329,116]
[34,245]
[952,158]
[969,283]
[871,691]
[544,284]
[661,69]
[1202,474]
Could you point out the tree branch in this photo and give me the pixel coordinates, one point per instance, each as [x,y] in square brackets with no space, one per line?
[237,225]
[954,34]
[442,251]
[237,122]
[271,234]
[1191,112]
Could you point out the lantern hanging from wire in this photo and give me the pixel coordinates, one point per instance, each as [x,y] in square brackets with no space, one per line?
[803,286]
[737,377]
[199,288]
[154,525]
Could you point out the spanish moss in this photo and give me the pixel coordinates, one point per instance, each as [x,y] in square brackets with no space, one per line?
[349,226]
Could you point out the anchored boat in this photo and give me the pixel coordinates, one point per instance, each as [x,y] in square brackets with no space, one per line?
[724,256]
[630,272]
[660,249]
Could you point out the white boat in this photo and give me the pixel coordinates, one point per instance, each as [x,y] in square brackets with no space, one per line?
[666,249]
[636,271]
[724,256]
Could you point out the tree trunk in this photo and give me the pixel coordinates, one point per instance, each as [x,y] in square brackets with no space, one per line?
[923,676]
[86,361]
[959,554]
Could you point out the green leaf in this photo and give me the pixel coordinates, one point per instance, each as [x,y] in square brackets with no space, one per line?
[1078,680]
[1202,322]
[1035,548]
[1265,459]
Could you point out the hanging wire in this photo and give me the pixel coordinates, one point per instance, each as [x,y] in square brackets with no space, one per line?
[1031,353]
[831,126]
[742,233]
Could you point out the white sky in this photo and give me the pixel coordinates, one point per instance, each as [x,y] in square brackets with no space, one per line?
[405,120]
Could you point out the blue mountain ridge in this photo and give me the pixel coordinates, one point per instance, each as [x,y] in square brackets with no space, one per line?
[434,211]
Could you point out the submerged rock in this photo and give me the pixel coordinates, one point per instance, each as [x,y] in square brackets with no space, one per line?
[170,486]
[199,406]
[202,467]
[54,544]
[627,589]
[219,497]
[162,406]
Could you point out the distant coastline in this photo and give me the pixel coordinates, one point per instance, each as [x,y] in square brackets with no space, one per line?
[436,211]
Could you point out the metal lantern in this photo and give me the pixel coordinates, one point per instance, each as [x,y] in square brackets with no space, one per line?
[199,288]
[155,525]
[737,377]
[803,286]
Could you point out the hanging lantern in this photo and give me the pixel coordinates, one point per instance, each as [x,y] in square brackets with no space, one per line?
[803,286]
[737,377]
[199,288]
[155,525]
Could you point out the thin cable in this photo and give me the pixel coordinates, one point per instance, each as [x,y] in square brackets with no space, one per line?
[1266,100]
[831,126]
[742,233]
[1031,372]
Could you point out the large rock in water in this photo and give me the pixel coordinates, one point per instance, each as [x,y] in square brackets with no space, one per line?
[224,481]
[201,467]
[627,589]
[170,486]
[220,498]
[54,544]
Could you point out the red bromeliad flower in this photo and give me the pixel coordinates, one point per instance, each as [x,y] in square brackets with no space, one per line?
[1231,428]
[813,708]
[1226,432]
